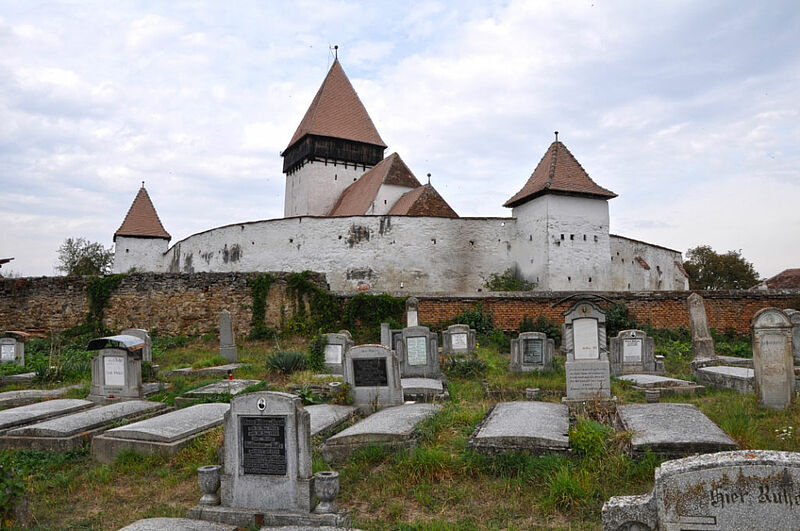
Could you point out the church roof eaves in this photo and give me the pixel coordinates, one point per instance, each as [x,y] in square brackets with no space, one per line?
[336,111]
[559,172]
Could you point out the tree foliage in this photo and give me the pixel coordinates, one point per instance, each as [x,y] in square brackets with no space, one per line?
[79,256]
[508,281]
[709,270]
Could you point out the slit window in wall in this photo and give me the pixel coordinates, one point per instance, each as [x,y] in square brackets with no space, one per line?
[569,279]
[629,285]
[595,240]
[472,242]
[584,237]
[590,279]
[252,243]
[571,236]
[562,236]
[530,238]
[340,236]
[335,177]
[384,201]
[128,250]
[291,240]
[433,240]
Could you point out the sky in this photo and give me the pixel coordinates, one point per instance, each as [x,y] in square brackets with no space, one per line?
[689,111]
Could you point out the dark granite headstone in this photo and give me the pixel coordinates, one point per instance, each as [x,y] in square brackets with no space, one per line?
[370,372]
[264,445]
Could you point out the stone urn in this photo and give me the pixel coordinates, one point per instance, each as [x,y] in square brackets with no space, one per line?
[208,478]
[326,487]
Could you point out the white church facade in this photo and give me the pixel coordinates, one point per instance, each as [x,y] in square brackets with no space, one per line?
[367,223]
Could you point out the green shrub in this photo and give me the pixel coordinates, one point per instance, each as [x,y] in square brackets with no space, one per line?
[465,367]
[482,321]
[316,352]
[287,361]
[12,488]
[308,396]
[508,281]
[590,438]
[541,324]
[618,318]
[499,339]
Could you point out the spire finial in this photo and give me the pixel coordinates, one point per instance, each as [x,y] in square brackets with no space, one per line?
[336,51]
[429,178]
[556,132]
[142,184]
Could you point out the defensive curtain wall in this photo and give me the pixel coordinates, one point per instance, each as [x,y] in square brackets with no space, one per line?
[190,303]
[408,253]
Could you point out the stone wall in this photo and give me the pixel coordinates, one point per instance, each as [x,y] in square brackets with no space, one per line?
[170,303]
[190,303]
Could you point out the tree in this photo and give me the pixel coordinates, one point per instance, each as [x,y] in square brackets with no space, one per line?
[79,256]
[709,270]
[508,281]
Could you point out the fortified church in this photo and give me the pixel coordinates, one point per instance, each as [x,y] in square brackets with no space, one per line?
[368,223]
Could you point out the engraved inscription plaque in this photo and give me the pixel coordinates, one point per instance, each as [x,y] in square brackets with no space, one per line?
[632,350]
[114,370]
[333,354]
[459,341]
[532,350]
[7,352]
[263,441]
[585,339]
[370,372]
[417,350]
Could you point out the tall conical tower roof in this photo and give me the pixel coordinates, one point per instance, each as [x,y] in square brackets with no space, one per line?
[337,112]
[142,220]
[559,172]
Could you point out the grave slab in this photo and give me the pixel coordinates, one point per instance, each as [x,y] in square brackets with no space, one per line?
[23,397]
[30,414]
[176,524]
[423,389]
[69,432]
[731,491]
[740,379]
[162,435]
[671,430]
[325,417]
[663,384]
[223,387]
[219,370]
[392,427]
[25,377]
[534,427]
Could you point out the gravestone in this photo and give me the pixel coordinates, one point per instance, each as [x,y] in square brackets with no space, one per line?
[12,351]
[386,335]
[459,340]
[116,368]
[395,338]
[702,343]
[587,367]
[147,353]
[730,491]
[412,315]
[773,364]
[227,345]
[532,351]
[632,352]
[533,427]
[373,373]
[418,352]
[267,463]
[794,318]
[335,349]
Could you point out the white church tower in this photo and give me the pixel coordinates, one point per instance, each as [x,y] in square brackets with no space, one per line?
[335,143]
[141,241]
[562,226]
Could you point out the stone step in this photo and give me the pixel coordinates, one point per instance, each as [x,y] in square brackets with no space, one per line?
[534,427]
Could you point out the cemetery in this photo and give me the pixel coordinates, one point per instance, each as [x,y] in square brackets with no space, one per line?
[382,420]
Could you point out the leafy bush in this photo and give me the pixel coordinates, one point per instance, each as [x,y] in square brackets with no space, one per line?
[316,352]
[590,438]
[308,396]
[476,317]
[541,324]
[508,281]
[618,318]
[287,361]
[12,488]
[341,395]
[465,367]
[499,339]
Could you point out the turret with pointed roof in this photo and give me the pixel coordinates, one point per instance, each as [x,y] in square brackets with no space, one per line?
[142,221]
[560,173]
[335,143]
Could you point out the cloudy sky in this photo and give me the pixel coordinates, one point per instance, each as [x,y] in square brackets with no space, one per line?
[690,111]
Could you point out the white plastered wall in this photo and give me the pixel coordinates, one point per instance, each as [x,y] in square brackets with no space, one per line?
[313,189]
[142,254]
[387,196]
[627,274]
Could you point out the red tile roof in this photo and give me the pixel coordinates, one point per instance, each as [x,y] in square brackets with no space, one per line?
[357,198]
[142,220]
[558,171]
[786,279]
[423,201]
[642,262]
[337,112]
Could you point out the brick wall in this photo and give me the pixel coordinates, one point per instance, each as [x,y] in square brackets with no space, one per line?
[170,303]
[189,303]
